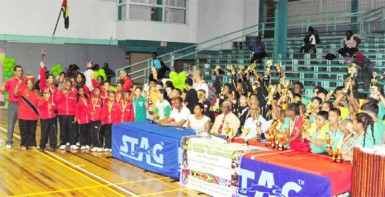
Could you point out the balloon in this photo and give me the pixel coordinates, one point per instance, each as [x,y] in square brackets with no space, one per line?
[6,60]
[176,80]
[183,75]
[12,60]
[173,74]
[103,74]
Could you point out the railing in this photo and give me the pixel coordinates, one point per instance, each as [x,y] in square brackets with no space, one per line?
[329,23]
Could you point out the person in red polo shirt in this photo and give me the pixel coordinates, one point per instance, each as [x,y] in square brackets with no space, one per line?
[28,114]
[127,83]
[111,114]
[13,105]
[66,103]
[48,121]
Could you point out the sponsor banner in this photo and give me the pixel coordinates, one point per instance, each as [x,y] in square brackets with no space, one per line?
[258,178]
[156,153]
[211,166]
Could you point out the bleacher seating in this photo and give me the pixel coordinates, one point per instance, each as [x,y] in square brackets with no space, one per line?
[311,69]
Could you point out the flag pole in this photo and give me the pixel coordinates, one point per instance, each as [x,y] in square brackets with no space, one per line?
[58,18]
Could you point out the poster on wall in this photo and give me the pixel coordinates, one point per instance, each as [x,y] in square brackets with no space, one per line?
[211,165]
[2,56]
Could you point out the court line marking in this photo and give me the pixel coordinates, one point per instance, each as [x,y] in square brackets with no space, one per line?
[274,153]
[81,169]
[88,187]
[162,192]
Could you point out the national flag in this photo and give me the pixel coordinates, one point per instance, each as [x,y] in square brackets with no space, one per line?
[64,7]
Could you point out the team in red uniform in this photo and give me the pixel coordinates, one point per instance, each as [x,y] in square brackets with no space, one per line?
[73,104]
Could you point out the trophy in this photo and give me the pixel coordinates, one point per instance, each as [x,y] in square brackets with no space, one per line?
[328,140]
[245,133]
[241,68]
[374,80]
[269,63]
[229,66]
[286,87]
[338,156]
[217,68]
[271,91]
[352,71]
[334,156]
[281,141]
[251,67]
[271,133]
[229,132]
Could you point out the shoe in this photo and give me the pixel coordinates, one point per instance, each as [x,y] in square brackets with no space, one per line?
[83,148]
[105,149]
[99,150]
[94,149]
[110,150]
[67,144]
[41,150]
[8,146]
[74,147]
[23,148]
[77,144]
[87,147]
[62,147]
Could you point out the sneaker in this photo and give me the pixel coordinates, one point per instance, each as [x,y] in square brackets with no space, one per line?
[94,149]
[23,148]
[41,150]
[87,147]
[99,150]
[77,143]
[8,146]
[74,147]
[67,144]
[105,149]
[110,150]
[83,148]
[62,147]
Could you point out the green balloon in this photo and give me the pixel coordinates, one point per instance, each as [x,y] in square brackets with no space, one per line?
[183,75]
[176,80]
[173,75]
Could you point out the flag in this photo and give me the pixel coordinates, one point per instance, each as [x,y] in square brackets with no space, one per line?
[64,7]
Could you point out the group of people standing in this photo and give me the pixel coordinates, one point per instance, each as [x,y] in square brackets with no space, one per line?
[85,117]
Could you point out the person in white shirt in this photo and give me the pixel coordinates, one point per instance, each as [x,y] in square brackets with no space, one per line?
[309,41]
[198,121]
[89,75]
[256,123]
[199,83]
[179,115]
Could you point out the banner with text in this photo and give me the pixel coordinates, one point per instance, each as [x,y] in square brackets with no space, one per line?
[211,166]
[258,178]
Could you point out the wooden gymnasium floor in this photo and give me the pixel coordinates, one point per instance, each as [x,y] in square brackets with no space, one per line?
[32,173]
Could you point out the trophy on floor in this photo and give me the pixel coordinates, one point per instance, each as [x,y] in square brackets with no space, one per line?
[245,132]
[374,79]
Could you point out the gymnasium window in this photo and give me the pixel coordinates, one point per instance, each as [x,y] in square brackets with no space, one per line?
[167,11]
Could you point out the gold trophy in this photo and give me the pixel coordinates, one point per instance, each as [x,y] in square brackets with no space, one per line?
[338,156]
[286,87]
[269,63]
[229,132]
[281,141]
[245,133]
[271,91]
[328,140]
[251,67]
[374,79]
[352,71]
[229,66]
[241,67]
[217,68]
[270,135]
